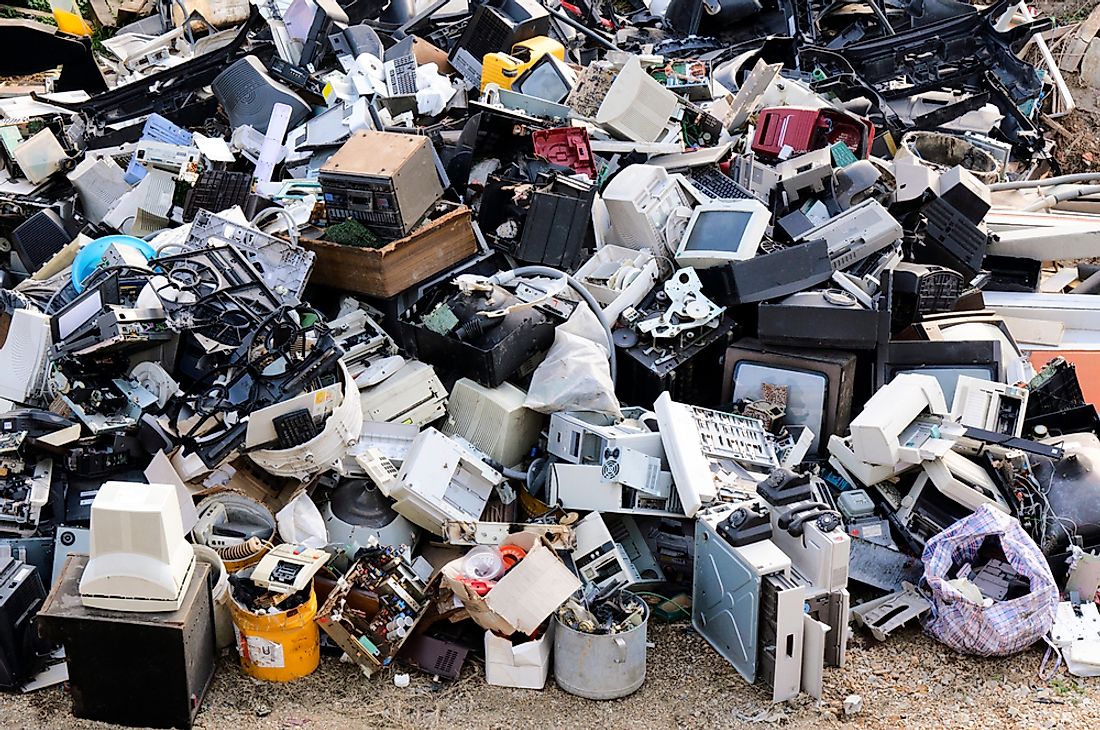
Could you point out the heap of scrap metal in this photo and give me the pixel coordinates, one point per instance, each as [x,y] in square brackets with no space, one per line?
[444,323]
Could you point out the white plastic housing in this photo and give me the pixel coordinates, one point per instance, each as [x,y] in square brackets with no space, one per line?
[139,558]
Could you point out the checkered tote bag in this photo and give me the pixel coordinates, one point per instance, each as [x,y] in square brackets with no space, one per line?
[1005,627]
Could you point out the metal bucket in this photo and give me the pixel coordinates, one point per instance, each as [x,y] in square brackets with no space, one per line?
[600,666]
[223,618]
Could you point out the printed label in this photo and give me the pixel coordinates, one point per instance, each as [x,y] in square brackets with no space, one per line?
[259,651]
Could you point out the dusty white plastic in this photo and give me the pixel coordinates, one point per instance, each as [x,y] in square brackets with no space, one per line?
[635,277]
[876,430]
[23,355]
[324,450]
[441,481]
[140,560]
[40,156]
[492,419]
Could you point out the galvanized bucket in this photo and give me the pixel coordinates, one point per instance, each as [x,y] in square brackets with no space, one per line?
[600,666]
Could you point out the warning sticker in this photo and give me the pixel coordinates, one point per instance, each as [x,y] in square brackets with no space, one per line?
[260,652]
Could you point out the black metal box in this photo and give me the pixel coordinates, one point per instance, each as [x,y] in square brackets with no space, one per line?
[138,669]
[690,369]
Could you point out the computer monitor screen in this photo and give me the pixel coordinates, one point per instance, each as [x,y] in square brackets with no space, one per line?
[544,80]
[80,313]
[722,231]
[807,393]
[718,230]
[85,308]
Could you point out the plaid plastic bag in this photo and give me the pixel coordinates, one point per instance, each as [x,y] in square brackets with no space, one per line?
[1005,627]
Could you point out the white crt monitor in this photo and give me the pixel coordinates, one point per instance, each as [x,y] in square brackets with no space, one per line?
[637,107]
[139,558]
[639,201]
[722,231]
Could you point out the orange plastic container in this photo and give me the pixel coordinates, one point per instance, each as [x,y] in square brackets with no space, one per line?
[278,647]
[68,17]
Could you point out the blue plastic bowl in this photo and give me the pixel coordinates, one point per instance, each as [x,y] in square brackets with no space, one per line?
[89,258]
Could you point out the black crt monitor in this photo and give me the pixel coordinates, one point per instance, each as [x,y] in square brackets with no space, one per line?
[945,361]
[497,25]
[976,326]
[819,384]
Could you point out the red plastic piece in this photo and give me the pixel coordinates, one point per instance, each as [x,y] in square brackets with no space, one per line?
[566,146]
[805,130]
[480,587]
[511,555]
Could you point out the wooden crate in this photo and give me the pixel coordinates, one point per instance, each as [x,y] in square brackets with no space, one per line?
[384,272]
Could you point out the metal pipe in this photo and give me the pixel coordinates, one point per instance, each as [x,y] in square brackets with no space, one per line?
[1078,177]
[582,29]
[1050,201]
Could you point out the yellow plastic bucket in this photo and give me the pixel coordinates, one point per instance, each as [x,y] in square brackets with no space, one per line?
[278,647]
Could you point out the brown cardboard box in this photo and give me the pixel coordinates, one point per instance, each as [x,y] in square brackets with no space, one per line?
[523,598]
[425,52]
[384,272]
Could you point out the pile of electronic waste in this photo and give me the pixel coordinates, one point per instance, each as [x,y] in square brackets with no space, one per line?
[413,330]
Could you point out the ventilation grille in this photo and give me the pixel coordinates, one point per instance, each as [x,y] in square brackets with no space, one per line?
[487,34]
[39,238]
[218,190]
[445,663]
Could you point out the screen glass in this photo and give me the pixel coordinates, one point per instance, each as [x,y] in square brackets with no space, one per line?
[807,393]
[79,313]
[543,82]
[948,375]
[718,230]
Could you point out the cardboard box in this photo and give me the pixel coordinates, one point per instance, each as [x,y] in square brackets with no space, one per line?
[525,665]
[524,598]
[384,272]
[425,52]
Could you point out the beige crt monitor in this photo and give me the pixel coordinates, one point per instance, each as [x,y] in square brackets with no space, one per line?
[140,560]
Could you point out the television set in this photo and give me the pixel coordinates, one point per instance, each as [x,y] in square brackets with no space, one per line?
[819,383]
[945,361]
[975,326]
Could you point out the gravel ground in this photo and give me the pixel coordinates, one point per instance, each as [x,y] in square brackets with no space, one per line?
[907,682]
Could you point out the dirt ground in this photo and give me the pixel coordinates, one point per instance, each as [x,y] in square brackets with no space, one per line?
[908,682]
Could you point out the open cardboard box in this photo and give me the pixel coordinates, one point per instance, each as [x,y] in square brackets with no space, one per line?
[523,665]
[523,598]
